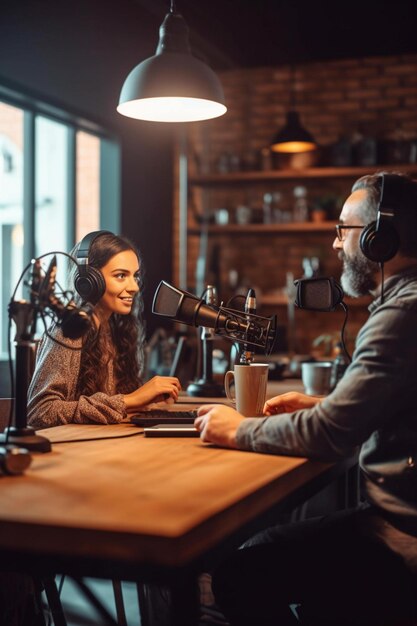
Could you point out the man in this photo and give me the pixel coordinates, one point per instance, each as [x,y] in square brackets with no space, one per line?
[353,567]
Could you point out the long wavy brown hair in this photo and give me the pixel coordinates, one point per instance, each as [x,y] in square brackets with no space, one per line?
[125,345]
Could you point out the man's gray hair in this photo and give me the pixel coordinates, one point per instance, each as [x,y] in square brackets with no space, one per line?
[372,183]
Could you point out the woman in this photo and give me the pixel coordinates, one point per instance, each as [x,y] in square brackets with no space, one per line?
[97,378]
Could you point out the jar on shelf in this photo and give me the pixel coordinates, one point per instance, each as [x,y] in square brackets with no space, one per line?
[221,216]
[277,208]
[250,160]
[311,267]
[341,153]
[243,214]
[365,151]
[223,163]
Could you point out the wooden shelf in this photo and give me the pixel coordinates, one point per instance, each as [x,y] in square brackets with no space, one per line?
[279,300]
[294,174]
[267,229]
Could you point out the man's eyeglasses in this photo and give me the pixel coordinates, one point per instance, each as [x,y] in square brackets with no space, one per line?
[341,230]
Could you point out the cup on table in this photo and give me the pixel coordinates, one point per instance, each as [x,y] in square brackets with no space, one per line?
[249,388]
[316,377]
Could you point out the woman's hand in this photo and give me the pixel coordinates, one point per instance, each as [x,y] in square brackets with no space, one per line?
[218,424]
[289,402]
[155,390]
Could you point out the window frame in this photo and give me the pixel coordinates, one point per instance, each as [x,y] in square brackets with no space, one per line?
[109,165]
[109,170]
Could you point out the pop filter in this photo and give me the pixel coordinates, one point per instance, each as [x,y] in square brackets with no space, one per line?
[318,294]
[75,321]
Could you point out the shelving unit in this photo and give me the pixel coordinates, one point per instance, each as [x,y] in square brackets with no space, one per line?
[247,178]
[285,240]
[281,299]
[267,229]
[317,173]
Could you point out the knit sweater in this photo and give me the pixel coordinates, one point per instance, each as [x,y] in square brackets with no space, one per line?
[52,399]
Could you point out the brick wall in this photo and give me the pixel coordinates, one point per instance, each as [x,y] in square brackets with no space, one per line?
[376,96]
[372,97]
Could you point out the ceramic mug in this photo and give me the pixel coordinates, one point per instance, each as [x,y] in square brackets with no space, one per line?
[249,388]
[316,377]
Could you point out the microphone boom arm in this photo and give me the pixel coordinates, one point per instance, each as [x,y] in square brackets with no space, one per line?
[239,326]
[245,328]
[24,314]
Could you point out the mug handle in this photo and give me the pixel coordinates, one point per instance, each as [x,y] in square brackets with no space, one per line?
[228,379]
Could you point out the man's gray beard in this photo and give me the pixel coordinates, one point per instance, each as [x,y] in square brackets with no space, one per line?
[359,275]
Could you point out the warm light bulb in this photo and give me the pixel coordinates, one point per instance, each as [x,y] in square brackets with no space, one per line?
[294,146]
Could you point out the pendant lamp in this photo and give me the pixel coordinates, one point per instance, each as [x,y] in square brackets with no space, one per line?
[172,85]
[293,137]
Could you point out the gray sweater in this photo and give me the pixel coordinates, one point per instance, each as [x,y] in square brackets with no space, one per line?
[51,397]
[374,407]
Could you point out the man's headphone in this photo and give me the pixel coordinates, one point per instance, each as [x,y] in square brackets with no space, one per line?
[379,240]
[89,281]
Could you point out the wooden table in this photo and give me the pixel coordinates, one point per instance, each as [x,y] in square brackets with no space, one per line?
[142,508]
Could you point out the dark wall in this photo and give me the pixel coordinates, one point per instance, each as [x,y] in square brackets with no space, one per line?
[77,54]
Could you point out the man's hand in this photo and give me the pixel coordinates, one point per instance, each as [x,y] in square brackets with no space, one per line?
[218,424]
[289,402]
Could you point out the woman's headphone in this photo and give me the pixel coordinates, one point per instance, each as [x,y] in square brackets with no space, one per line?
[89,281]
[379,241]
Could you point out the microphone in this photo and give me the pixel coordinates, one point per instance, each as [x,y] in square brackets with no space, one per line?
[36,280]
[46,288]
[210,298]
[318,294]
[206,386]
[247,355]
[74,321]
[184,307]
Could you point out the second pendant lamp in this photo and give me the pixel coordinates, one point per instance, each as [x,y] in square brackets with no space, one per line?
[293,137]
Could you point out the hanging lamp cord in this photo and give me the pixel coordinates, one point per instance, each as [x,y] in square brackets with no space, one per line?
[293,75]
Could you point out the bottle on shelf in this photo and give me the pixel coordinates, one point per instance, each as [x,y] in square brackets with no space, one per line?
[273,211]
[267,208]
[300,211]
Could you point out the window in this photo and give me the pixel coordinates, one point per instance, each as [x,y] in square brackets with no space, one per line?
[52,210]
[11,209]
[88,192]
[59,179]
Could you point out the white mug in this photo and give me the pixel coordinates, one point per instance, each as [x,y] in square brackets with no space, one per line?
[250,388]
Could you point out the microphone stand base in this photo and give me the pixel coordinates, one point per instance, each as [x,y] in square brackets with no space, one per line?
[25,438]
[205,389]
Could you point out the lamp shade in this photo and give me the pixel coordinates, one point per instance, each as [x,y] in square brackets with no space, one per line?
[172,85]
[293,137]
